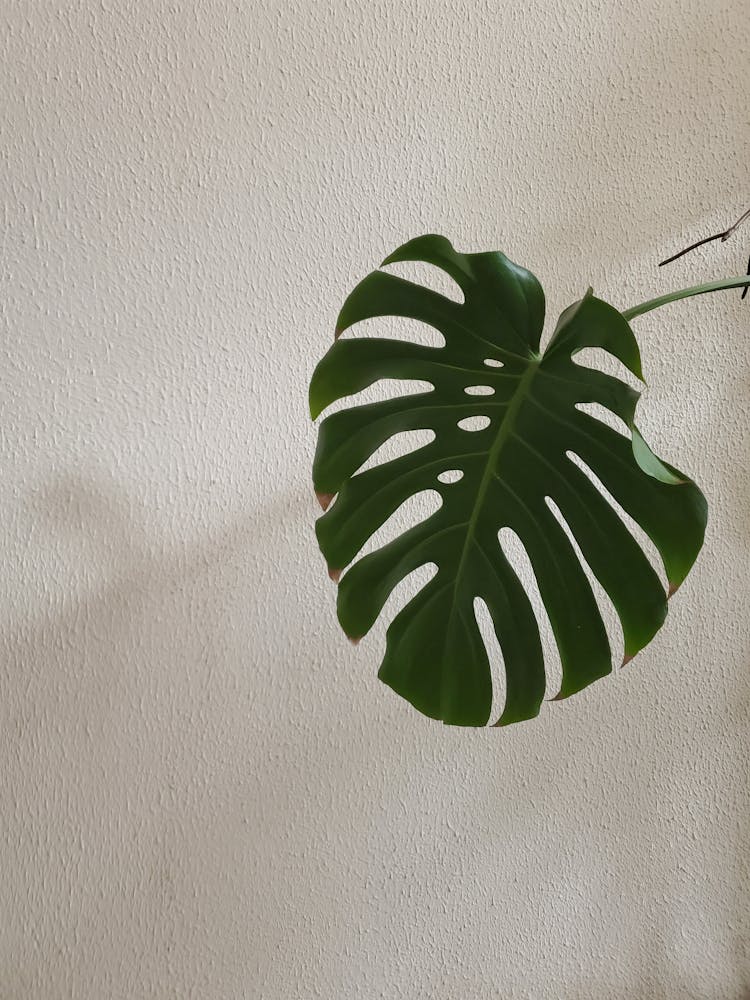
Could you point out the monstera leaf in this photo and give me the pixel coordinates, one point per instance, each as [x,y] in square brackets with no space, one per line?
[435,656]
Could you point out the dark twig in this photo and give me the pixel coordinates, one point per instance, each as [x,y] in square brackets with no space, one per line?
[723,236]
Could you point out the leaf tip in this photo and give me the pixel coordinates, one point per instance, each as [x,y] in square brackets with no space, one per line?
[673,588]
[354,639]
[626,660]
[341,324]
[324,499]
[334,574]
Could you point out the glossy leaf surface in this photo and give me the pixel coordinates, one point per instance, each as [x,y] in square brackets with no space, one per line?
[435,656]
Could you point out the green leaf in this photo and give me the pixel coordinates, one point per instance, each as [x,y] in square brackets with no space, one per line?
[435,656]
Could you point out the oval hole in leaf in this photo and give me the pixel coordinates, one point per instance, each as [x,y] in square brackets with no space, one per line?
[494,655]
[493,363]
[399,444]
[429,276]
[479,390]
[599,412]
[633,527]
[516,554]
[474,423]
[450,476]
[606,608]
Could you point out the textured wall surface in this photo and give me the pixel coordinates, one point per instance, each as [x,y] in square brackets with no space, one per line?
[204,791]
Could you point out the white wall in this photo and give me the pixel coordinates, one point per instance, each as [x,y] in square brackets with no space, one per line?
[205,792]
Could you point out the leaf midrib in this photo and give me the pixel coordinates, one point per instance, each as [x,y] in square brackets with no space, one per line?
[505,430]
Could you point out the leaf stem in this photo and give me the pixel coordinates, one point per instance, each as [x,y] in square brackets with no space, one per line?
[684,293]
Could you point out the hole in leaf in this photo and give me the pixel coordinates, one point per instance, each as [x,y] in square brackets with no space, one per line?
[413,511]
[397,328]
[493,363]
[610,617]
[479,390]
[602,361]
[632,525]
[516,554]
[429,276]
[399,597]
[384,388]
[599,412]
[450,476]
[474,423]
[403,443]
[495,657]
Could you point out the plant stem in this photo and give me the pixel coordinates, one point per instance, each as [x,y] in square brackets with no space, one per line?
[684,293]
[723,236]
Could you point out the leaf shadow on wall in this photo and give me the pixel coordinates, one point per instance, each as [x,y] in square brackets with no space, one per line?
[161,762]
[157,753]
